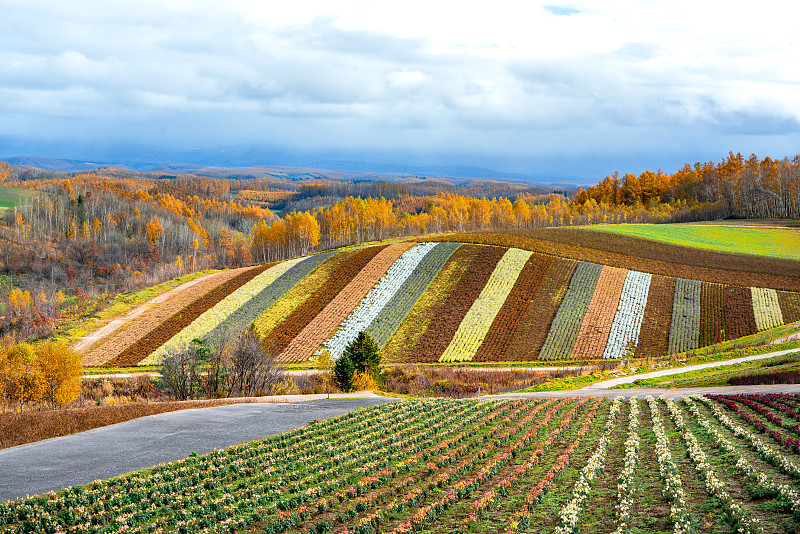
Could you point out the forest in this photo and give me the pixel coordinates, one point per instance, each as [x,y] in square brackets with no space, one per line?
[86,236]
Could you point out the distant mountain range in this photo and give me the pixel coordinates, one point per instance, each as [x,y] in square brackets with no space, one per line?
[330,169]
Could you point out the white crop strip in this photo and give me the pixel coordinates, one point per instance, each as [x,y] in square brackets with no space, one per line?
[630,312]
[372,304]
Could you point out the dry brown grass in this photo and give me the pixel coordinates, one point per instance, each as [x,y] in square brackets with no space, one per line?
[32,426]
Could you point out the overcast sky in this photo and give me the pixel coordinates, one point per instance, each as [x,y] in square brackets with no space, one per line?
[572,89]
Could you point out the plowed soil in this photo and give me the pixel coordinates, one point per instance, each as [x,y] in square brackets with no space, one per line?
[164,331]
[479,263]
[654,335]
[596,326]
[323,325]
[712,314]
[511,316]
[790,306]
[351,264]
[739,318]
[530,336]
[142,325]
[644,255]
[421,315]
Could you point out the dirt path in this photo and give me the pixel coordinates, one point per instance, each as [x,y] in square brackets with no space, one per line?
[85,342]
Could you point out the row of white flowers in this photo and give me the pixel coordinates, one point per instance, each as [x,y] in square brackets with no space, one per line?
[375,300]
[770,455]
[766,308]
[630,312]
[476,323]
[571,513]
[742,464]
[673,489]
[625,486]
[209,319]
[714,486]
[684,332]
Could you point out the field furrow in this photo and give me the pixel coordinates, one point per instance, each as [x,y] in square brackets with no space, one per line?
[596,325]
[478,263]
[321,289]
[739,318]
[394,313]
[712,314]
[654,335]
[510,319]
[567,321]
[790,306]
[476,323]
[419,318]
[684,333]
[531,334]
[140,351]
[111,346]
[205,323]
[376,299]
[627,325]
[303,346]
[766,308]
[266,298]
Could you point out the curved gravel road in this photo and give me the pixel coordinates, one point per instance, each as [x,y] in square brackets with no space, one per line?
[106,452]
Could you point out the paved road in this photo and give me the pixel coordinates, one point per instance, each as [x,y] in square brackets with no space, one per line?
[655,374]
[110,451]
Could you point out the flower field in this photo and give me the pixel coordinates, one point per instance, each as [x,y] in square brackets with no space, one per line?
[569,465]
[452,302]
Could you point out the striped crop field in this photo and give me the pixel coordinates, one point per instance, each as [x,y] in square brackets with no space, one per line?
[451,302]
[443,466]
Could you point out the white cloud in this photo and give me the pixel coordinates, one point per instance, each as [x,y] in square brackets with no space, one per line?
[508,75]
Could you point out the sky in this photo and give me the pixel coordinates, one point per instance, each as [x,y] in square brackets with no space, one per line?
[559,90]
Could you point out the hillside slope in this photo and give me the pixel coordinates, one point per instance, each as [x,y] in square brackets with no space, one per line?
[452,301]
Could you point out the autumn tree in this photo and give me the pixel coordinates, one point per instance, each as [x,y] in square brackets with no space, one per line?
[60,373]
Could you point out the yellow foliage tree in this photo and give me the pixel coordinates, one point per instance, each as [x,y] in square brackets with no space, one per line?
[154,231]
[60,373]
[20,376]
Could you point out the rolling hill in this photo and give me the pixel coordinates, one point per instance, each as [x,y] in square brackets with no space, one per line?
[454,301]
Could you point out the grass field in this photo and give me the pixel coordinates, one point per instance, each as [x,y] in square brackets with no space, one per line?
[455,467]
[11,196]
[769,242]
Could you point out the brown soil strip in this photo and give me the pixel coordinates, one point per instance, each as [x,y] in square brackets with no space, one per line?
[790,306]
[654,336]
[163,332]
[345,266]
[31,426]
[323,325]
[421,315]
[712,314]
[596,325]
[479,262]
[543,307]
[142,321]
[510,318]
[739,318]
[644,255]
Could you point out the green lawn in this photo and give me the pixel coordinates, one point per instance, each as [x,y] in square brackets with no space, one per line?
[772,242]
[11,196]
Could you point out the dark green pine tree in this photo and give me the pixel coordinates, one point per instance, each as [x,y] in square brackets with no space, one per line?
[343,372]
[365,354]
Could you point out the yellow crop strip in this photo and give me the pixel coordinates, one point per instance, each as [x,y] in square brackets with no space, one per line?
[481,315]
